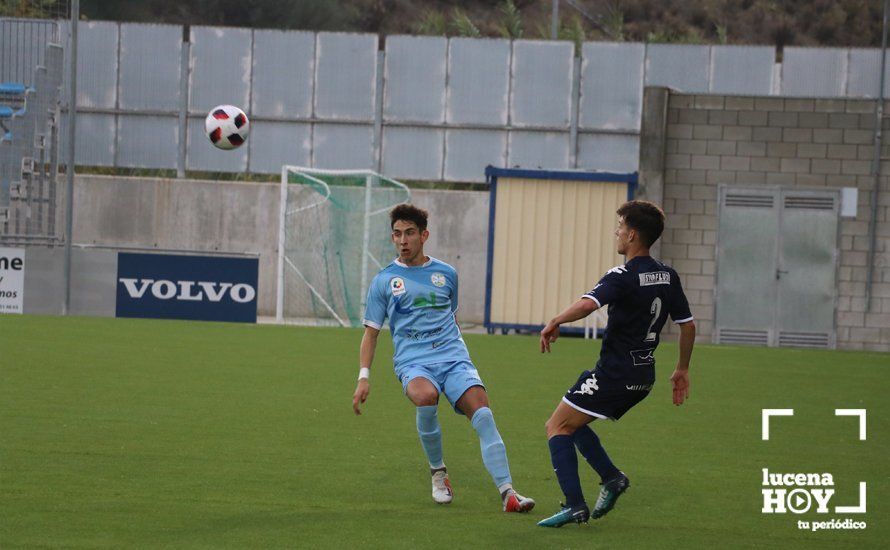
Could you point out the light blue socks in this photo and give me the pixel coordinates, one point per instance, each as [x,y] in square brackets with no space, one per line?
[494,453]
[430,434]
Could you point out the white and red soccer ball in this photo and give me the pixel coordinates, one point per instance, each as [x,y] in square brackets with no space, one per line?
[227,126]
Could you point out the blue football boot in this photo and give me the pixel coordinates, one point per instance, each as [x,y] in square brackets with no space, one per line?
[568,514]
[609,494]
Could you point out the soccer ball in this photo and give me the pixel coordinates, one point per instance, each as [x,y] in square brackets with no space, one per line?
[227,126]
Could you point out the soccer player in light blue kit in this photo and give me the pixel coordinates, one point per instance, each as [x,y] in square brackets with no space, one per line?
[419,296]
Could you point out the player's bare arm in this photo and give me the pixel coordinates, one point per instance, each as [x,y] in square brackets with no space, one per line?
[366,357]
[579,310]
[680,377]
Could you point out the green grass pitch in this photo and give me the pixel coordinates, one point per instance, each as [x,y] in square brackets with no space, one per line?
[140,433]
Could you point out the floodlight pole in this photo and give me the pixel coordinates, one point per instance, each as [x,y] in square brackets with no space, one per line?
[554,20]
[184,56]
[366,241]
[876,167]
[69,169]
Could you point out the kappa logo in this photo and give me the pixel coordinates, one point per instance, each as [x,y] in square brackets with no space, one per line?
[618,270]
[589,386]
[437,279]
[163,289]
[397,286]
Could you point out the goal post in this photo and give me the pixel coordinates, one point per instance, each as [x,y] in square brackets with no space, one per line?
[333,236]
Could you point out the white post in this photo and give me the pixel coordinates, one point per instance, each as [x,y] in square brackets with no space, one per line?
[282,219]
[366,239]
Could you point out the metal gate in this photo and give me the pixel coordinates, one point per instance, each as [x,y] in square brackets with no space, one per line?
[777,266]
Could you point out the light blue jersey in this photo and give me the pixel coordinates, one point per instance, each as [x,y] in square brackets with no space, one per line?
[420,303]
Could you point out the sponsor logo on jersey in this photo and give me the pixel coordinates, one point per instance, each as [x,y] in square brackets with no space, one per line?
[397,285]
[438,279]
[423,334]
[398,305]
[643,357]
[420,302]
[639,387]
[424,302]
[655,278]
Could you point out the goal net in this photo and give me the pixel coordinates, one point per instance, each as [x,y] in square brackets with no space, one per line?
[334,236]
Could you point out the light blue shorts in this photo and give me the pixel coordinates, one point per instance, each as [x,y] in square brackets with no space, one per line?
[452,379]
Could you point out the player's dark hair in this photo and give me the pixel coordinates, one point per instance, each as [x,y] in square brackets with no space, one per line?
[645,217]
[409,213]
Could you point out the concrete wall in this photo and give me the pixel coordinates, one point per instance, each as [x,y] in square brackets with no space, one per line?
[784,142]
[93,281]
[172,214]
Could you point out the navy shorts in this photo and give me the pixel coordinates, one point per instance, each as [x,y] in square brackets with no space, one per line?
[604,398]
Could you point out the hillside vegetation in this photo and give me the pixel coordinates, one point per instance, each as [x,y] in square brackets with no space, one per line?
[769,22]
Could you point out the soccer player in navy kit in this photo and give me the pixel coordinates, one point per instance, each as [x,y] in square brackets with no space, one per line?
[419,296]
[641,294]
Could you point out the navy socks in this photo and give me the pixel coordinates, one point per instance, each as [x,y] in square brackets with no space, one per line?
[589,445]
[565,464]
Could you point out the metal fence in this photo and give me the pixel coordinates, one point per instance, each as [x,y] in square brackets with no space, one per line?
[23,47]
[426,108]
[31,72]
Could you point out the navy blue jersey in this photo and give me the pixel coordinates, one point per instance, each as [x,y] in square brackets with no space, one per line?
[641,294]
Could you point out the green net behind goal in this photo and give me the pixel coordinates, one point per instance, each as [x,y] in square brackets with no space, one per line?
[334,238]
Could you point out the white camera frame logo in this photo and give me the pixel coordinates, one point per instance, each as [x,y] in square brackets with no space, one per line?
[799,500]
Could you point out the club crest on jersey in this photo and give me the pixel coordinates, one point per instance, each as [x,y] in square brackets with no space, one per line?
[438,279]
[397,285]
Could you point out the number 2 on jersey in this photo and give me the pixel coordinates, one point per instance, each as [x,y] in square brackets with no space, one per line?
[655,310]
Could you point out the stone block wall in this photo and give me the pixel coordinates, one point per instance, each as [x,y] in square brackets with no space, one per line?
[773,141]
